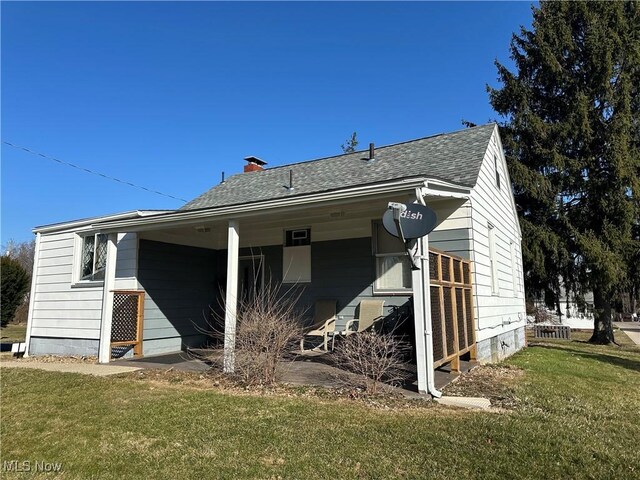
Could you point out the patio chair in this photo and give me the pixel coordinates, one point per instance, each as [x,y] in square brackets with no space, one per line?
[324,322]
[371,311]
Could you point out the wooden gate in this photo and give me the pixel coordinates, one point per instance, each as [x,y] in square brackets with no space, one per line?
[451,308]
[126,326]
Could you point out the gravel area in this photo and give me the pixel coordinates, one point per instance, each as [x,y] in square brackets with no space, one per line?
[68,367]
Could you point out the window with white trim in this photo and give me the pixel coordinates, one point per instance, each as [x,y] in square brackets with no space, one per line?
[493,262]
[393,268]
[93,257]
[495,166]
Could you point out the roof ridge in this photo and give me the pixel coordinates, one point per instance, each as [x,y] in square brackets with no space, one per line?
[454,156]
[377,148]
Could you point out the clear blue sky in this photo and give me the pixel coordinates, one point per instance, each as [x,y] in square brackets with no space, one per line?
[168,95]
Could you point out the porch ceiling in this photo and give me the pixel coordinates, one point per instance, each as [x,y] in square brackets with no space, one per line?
[351,218]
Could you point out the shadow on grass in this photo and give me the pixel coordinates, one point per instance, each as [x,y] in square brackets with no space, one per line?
[601,357]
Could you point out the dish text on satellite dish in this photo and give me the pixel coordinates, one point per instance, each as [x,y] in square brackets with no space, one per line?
[416,221]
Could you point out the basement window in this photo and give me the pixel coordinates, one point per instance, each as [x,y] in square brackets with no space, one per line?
[393,268]
[93,257]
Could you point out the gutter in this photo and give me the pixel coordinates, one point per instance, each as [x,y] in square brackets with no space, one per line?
[253,209]
[75,225]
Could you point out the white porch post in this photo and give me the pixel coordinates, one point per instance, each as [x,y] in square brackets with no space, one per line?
[422,311]
[104,352]
[231,302]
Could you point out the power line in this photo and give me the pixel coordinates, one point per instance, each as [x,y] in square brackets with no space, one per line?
[87,170]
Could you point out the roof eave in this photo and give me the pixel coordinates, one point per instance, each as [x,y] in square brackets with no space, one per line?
[75,225]
[187,217]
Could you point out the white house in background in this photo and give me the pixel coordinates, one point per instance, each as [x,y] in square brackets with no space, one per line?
[142,281]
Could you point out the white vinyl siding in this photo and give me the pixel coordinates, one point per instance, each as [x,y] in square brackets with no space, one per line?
[514,270]
[452,235]
[497,309]
[493,261]
[59,309]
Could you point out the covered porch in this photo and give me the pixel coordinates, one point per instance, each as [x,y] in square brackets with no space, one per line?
[191,270]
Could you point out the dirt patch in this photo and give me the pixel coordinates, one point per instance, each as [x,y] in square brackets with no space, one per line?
[495,382]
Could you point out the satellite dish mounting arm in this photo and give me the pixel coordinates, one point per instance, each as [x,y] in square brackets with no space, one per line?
[398,209]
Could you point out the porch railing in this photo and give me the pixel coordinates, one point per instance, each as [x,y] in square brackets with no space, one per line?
[451,308]
[126,326]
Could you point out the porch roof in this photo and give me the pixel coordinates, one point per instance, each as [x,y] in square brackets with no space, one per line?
[454,157]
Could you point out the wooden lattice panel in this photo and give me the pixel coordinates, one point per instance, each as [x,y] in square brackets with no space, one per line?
[457,273]
[436,324]
[126,322]
[433,266]
[446,268]
[451,308]
[466,273]
[462,340]
[124,326]
[468,305]
[449,320]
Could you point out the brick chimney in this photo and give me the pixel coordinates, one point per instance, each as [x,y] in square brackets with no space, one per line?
[254,164]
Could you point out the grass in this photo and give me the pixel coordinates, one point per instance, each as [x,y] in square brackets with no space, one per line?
[575,416]
[13,332]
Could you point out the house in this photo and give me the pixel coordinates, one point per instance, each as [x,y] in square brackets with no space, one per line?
[316,224]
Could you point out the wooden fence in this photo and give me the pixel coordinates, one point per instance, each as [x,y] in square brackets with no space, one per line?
[452,319]
[126,326]
[552,331]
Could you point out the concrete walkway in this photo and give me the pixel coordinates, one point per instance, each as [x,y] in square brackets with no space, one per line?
[632,330]
[84,368]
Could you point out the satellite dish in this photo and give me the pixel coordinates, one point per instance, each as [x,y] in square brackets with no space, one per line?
[415,220]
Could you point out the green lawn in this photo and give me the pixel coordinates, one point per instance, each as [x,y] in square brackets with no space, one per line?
[576,416]
[13,333]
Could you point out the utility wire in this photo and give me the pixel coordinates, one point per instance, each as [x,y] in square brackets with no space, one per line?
[86,170]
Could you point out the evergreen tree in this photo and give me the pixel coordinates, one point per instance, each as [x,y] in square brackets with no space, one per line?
[571,133]
[14,283]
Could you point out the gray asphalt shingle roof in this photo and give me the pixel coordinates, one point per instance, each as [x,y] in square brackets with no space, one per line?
[454,157]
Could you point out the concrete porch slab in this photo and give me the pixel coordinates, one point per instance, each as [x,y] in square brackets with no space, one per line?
[475,403]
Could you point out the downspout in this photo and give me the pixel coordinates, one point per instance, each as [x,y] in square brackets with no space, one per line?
[426,298]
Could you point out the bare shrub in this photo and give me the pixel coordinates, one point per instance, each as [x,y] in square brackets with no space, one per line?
[542,315]
[268,326]
[375,357]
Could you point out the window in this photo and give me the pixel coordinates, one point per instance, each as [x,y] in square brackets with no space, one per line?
[495,165]
[297,238]
[493,262]
[93,257]
[393,267]
[296,256]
